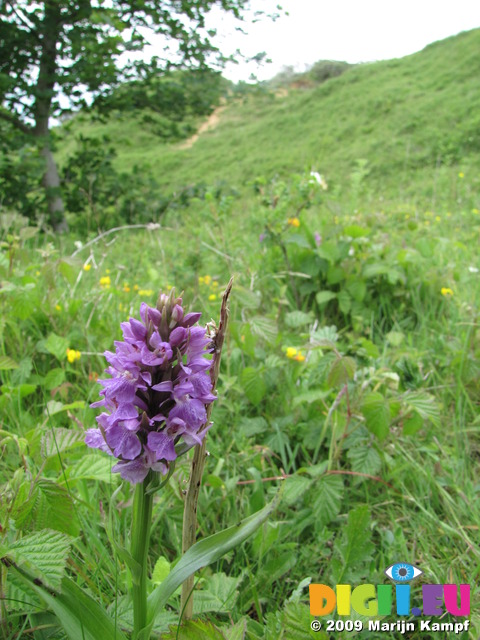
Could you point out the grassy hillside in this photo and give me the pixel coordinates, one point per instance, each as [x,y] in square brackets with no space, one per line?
[409,118]
[350,373]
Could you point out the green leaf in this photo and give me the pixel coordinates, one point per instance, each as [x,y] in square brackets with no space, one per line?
[54,378]
[344,301]
[263,328]
[314,395]
[237,632]
[252,426]
[341,371]
[295,488]
[54,407]
[355,231]
[7,363]
[323,297]
[328,492]
[376,410]
[412,424]
[357,289]
[55,508]
[56,345]
[355,546]
[160,570]
[296,319]
[60,439]
[253,385]
[424,404]
[295,621]
[43,554]
[201,555]
[78,613]
[219,593]
[92,466]
[364,459]
[194,630]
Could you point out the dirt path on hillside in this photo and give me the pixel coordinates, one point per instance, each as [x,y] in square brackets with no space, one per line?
[210,123]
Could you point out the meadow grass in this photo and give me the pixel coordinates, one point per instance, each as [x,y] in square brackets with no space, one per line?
[350,371]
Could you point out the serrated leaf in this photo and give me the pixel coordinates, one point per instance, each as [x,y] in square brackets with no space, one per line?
[237,631]
[54,378]
[263,328]
[310,396]
[412,424]
[7,363]
[59,439]
[92,466]
[364,459]
[341,371]
[295,488]
[295,621]
[328,492]
[43,554]
[160,570]
[296,319]
[56,345]
[253,385]
[194,630]
[54,407]
[55,508]
[424,404]
[251,426]
[355,544]
[219,593]
[323,297]
[376,411]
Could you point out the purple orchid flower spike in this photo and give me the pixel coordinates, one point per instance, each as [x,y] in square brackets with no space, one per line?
[158,389]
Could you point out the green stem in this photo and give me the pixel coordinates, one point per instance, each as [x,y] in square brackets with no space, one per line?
[141,523]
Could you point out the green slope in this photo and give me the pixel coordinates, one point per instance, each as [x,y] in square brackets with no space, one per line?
[404,116]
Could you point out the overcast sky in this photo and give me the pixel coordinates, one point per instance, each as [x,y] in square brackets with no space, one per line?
[350,30]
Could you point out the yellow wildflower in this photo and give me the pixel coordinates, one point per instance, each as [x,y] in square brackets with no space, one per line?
[58,307]
[437,218]
[87,267]
[446,291]
[300,357]
[37,273]
[126,288]
[107,271]
[73,355]
[201,280]
[136,287]
[169,287]
[291,352]
[207,280]
[294,222]
[145,292]
[212,296]
[214,284]
[474,210]
[105,281]
[461,174]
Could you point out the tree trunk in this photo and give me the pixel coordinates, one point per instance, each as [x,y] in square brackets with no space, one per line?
[51,183]
[44,92]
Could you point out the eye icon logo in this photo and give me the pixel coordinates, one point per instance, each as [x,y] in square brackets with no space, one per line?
[402,572]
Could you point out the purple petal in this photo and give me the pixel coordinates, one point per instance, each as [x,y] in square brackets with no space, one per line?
[162,445]
[190,319]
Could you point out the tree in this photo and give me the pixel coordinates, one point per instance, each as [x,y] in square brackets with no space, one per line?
[54,53]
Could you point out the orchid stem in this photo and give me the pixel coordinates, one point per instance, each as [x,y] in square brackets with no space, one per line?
[141,523]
